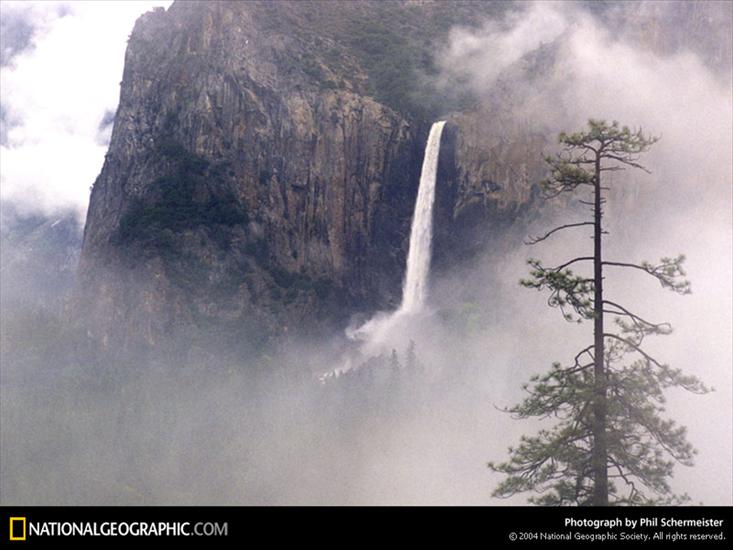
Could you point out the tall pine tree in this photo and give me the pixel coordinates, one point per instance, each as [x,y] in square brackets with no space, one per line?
[610,444]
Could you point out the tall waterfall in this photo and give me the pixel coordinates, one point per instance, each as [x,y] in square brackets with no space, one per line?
[375,332]
[421,234]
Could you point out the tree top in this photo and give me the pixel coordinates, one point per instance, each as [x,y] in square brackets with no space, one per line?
[612,138]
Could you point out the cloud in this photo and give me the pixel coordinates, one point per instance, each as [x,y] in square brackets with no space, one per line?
[557,66]
[59,82]
[481,55]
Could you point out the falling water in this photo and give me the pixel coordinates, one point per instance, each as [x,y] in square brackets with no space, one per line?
[414,289]
[421,234]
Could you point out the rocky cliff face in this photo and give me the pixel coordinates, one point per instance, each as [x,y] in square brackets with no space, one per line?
[246,184]
[263,167]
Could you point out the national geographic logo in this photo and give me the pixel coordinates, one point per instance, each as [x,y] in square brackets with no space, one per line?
[17,529]
[20,528]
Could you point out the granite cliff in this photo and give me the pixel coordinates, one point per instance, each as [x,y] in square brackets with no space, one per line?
[255,182]
[264,163]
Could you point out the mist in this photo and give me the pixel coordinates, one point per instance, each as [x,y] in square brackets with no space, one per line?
[208,429]
[683,206]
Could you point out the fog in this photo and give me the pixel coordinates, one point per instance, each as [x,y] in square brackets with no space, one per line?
[206,429]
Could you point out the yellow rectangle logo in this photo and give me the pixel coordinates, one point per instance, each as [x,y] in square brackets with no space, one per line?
[13,528]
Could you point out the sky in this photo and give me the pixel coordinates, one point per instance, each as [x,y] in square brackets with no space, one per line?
[61,68]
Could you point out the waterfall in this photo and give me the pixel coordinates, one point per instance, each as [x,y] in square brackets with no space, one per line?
[421,233]
[414,289]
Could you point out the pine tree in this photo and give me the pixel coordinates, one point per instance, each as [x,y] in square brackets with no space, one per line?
[610,444]
[412,364]
[394,365]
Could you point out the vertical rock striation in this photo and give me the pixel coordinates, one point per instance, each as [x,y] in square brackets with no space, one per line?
[242,188]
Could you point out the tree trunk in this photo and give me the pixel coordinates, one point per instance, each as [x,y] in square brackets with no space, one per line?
[599,453]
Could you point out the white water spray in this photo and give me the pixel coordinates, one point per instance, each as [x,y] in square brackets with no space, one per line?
[414,289]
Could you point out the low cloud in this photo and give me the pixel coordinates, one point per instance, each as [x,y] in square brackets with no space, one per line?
[477,57]
[60,78]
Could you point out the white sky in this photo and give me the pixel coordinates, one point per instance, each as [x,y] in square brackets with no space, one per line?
[57,93]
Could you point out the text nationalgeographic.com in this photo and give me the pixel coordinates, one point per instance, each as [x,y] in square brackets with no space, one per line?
[19,530]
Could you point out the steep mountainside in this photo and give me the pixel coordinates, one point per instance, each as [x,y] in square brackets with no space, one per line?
[264,162]
[255,180]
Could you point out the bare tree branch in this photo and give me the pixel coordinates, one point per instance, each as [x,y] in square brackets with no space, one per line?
[635,317]
[571,262]
[635,347]
[535,240]
[669,272]
[628,161]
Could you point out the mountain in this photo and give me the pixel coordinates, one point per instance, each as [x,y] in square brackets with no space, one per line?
[264,164]
[255,183]
[39,259]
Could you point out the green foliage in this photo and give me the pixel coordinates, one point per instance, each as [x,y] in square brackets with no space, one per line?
[669,273]
[613,138]
[173,204]
[566,290]
[389,59]
[583,152]
[608,405]
[555,463]
[395,44]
